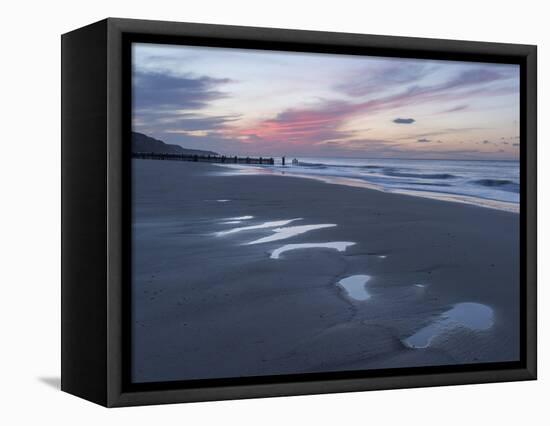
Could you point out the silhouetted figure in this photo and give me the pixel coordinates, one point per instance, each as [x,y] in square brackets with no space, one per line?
[284,161]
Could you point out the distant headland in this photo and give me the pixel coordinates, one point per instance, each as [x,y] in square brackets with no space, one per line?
[144,143]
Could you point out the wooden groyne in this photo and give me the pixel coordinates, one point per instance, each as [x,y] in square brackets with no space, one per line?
[203,158]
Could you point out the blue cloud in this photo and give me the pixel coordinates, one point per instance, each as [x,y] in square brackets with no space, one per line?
[153,90]
[384,75]
[456,108]
[404,120]
[166,104]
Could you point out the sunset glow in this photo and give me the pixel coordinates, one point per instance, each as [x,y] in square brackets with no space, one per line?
[250,102]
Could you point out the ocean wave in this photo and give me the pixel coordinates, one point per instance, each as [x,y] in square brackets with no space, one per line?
[503,184]
[340,166]
[419,175]
[313,165]
[486,181]
[428,184]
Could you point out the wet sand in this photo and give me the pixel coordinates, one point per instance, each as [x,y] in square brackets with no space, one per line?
[209,304]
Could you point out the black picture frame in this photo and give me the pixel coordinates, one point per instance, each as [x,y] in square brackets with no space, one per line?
[96,87]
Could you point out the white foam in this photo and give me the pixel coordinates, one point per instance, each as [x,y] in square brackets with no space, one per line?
[259,226]
[222,201]
[382,256]
[231,222]
[473,316]
[290,231]
[355,287]
[340,246]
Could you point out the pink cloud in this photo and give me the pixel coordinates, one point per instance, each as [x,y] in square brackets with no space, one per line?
[294,127]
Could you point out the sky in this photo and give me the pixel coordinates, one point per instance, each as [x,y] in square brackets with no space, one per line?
[270,103]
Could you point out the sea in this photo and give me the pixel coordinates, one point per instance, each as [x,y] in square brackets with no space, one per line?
[488,183]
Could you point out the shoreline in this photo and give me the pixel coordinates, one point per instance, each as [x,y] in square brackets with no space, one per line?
[361,183]
[295,276]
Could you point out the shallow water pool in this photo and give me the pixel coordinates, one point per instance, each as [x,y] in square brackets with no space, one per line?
[473,316]
[355,287]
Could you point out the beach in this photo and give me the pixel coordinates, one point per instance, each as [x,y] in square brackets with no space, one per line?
[238,275]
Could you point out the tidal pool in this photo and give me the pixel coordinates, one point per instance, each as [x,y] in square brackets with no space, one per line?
[290,231]
[340,246]
[355,287]
[259,226]
[473,316]
[239,218]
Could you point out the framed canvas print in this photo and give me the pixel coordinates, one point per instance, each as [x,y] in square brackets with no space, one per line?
[253,212]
